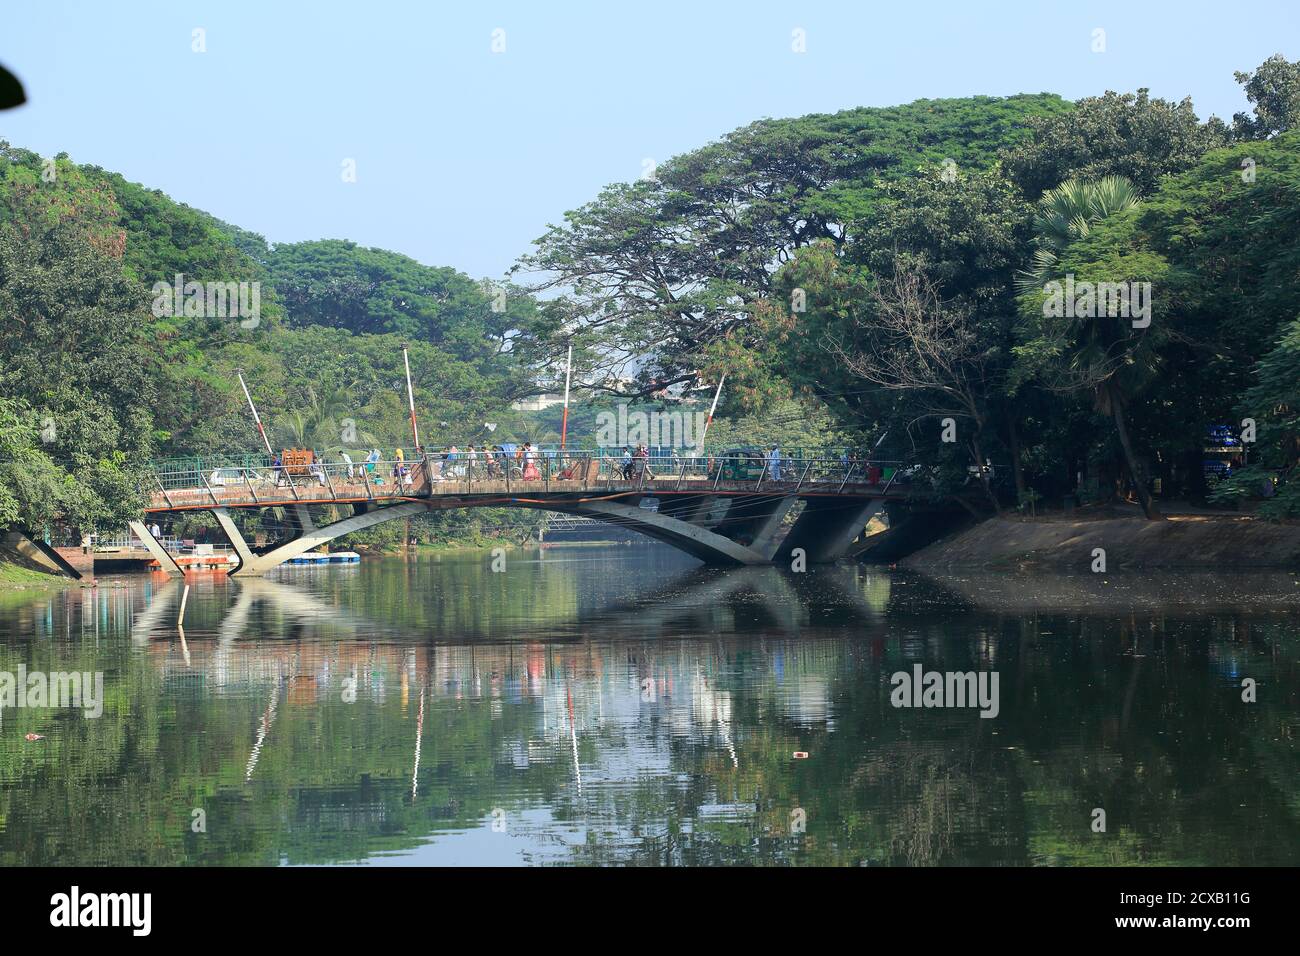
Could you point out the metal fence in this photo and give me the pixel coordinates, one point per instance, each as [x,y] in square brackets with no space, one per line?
[125,541]
[221,480]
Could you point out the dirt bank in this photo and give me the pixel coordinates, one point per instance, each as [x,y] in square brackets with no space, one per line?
[1207,542]
[1150,590]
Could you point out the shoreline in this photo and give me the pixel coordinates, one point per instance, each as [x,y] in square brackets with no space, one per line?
[1189,542]
[16,577]
[1176,592]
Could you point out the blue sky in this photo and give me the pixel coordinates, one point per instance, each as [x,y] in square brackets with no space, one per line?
[464,155]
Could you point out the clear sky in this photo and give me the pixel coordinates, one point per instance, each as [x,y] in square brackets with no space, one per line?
[463,155]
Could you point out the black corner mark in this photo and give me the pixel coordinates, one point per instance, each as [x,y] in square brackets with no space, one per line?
[11,90]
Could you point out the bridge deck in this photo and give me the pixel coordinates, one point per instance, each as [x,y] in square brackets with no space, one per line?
[721,509]
[485,491]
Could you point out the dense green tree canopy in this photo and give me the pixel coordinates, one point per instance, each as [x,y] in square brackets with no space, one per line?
[1129,135]
[660,269]
[850,327]
[94,384]
[1211,231]
[342,285]
[1274,90]
[72,334]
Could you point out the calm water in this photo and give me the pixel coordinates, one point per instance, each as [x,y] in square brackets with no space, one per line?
[622,705]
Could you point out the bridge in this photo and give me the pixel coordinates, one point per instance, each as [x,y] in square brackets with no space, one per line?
[721,509]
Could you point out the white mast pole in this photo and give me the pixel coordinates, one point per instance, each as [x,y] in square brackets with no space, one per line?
[410,397]
[712,408]
[257,418]
[564,423]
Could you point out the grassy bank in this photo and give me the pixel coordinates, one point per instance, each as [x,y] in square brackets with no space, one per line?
[482,544]
[16,577]
[449,546]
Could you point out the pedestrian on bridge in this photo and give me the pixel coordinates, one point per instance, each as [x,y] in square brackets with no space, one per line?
[641,462]
[774,463]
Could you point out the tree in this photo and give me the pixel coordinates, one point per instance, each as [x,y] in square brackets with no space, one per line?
[93,386]
[1274,89]
[657,273]
[342,285]
[164,237]
[71,328]
[323,422]
[1066,214]
[1274,400]
[1078,338]
[31,484]
[927,349]
[1129,135]
[935,258]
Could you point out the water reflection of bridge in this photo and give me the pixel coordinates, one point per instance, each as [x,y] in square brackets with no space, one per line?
[273,635]
[320,655]
[776,602]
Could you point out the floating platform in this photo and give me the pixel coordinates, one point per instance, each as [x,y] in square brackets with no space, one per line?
[199,562]
[334,557]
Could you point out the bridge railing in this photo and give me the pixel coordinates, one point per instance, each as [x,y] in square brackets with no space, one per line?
[125,541]
[462,472]
[173,544]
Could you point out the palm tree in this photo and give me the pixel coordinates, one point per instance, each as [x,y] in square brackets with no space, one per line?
[1092,354]
[1068,213]
[319,424]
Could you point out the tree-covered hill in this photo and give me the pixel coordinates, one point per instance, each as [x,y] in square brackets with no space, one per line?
[374,291]
[97,379]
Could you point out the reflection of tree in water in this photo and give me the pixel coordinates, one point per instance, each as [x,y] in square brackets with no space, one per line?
[937,802]
[1137,713]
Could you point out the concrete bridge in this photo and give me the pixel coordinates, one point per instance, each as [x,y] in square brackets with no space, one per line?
[722,510]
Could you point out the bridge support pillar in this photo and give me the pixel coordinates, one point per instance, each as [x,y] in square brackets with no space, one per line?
[234,536]
[302,519]
[154,546]
[259,564]
[826,528]
[708,546]
[35,551]
[758,522]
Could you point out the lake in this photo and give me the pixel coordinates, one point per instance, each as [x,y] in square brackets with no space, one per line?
[621,704]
